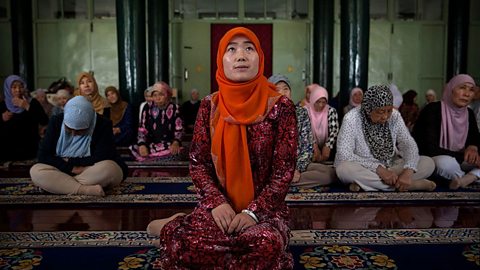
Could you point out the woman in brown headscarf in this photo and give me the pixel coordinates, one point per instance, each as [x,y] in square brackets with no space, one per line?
[87,87]
[121,116]
[242,160]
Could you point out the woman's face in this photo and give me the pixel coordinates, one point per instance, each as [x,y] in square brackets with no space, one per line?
[381,115]
[112,97]
[76,132]
[159,97]
[241,60]
[463,94]
[320,104]
[17,89]
[62,100]
[430,98]
[86,86]
[283,89]
[357,97]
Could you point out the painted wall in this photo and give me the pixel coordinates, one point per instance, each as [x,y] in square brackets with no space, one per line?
[66,48]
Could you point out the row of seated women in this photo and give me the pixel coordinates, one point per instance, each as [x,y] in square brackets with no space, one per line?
[361,159]
[374,148]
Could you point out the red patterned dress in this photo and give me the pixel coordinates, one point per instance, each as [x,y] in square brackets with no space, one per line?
[195,241]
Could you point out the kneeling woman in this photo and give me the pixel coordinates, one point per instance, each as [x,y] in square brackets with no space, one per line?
[77,155]
[375,150]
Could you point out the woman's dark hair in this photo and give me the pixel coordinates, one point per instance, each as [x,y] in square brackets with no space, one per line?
[61,83]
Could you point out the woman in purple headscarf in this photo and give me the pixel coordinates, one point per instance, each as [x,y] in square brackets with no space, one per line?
[447,132]
[20,122]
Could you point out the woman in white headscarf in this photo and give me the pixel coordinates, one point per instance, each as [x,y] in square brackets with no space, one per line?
[371,141]
[356,96]
[78,155]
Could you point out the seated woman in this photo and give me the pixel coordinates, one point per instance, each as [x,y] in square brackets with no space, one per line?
[409,109]
[324,121]
[308,172]
[189,110]
[356,96]
[161,128]
[121,116]
[447,131]
[241,164]
[61,98]
[368,142]
[87,87]
[21,123]
[77,155]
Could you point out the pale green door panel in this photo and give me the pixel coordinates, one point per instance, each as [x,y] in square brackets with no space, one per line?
[62,50]
[379,53]
[75,49]
[195,50]
[405,56]
[176,75]
[336,59]
[432,60]
[290,54]
[473,61]
[48,59]
[6,62]
[66,48]
[105,54]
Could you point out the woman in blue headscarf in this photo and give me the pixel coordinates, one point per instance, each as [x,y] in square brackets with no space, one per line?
[77,155]
[21,120]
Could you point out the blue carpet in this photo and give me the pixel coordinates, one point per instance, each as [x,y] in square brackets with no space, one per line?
[180,191]
[408,249]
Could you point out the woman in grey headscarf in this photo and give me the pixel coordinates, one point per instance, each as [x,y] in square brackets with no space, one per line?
[78,155]
[367,156]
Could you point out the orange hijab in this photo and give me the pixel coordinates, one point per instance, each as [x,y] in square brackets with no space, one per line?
[234,106]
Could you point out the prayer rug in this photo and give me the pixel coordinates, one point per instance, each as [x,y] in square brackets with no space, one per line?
[312,249]
[181,191]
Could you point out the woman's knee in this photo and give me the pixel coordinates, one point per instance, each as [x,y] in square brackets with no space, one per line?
[344,171]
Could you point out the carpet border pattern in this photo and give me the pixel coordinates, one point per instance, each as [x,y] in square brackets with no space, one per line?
[298,237]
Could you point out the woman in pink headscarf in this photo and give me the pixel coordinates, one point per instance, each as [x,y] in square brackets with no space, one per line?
[447,132]
[324,121]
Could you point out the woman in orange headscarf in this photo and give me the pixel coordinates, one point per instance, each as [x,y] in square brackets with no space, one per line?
[242,161]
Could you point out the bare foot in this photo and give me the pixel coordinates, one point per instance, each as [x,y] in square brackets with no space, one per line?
[422,184]
[92,190]
[463,181]
[354,187]
[154,227]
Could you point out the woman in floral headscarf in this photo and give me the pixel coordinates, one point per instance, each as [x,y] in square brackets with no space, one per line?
[447,131]
[242,161]
[160,130]
[77,155]
[375,150]
[21,121]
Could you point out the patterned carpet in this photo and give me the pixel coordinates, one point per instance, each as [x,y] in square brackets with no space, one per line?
[180,191]
[312,249]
